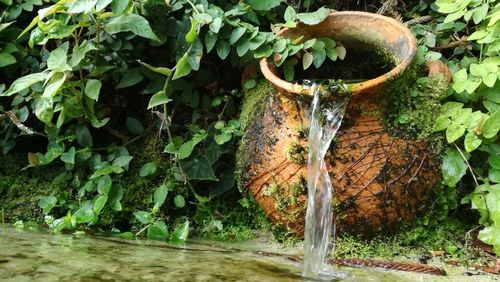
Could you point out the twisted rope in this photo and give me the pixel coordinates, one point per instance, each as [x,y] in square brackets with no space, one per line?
[389,265]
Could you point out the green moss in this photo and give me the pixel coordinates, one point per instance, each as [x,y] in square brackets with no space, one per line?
[296,153]
[412,104]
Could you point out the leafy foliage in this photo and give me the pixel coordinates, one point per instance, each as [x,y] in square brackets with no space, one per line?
[471,117]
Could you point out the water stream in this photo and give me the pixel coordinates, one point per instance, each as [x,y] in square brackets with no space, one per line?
[327,110]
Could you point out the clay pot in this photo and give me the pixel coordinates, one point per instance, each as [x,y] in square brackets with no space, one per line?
[379,180]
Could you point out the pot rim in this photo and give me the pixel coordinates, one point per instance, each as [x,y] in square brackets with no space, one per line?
[269,71]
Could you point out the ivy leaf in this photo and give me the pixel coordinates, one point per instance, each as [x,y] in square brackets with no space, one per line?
[157,99]
[122,161]
[81,6]
[99,204]
[179,201]
[314,17]
[158,231]
[181,233]
[160,195]
[290,14]
[133,23]
[491,126]
[494,161]
[134,126]
[223,48]
[85,213]
[83,136]
[119,6]
[453,167]
[198,168]
[143,217]
[307,60]
[341,52]
[494,175]
[442,122]
[6,59]
[69,156]
[161,70]
[454,131]
[182,68]
[210,39]
[24,82]
[264,5]
[47,203]
[54,84]
[104,185]
[236,34]
[471,142]
[92,89]
[131,78]
[480,13]
[147,169]
[491,235]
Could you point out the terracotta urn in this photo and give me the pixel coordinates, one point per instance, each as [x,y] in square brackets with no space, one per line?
[380,179]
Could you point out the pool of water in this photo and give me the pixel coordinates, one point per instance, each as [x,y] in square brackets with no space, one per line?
[35,256]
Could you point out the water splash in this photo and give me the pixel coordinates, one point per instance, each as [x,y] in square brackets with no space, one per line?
[327,110]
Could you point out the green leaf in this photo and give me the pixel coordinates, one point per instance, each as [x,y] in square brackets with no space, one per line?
[57,59]
[264,5]
[44,110]
[319,56]
[210,39]
[314,17]
[83,136]
[223,49]
[69,156]
[122,161]
[85,213]
[480,13]
[198,168]
[55,83]
[491,126]
[222,138]
[491,236]
[99,204]
[115,193]
[119,6]
[279,46]
[341,52]
[471,142]
[158,231]
[6,59]
[454,131]
[290,14]
[489,79]
[92,89]
[79,52]
[251,83]
[450,108]
[133,23]
[161,70]
[127,235]
[102,171]
[215,25]
[147,169]
[134,126]
[442,122]
[130,78]
[236,34]
[160,195]
[24,82]
[179,201]
[494,161]
[192,35]
[182,68]
[81,6]
[453,167]
[307,60]
[181,233]
[494,175]
[157,99]
[102,4]
[47,203]
[104,185]
[143,217]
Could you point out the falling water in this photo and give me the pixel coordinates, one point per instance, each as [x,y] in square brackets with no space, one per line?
[327,110]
